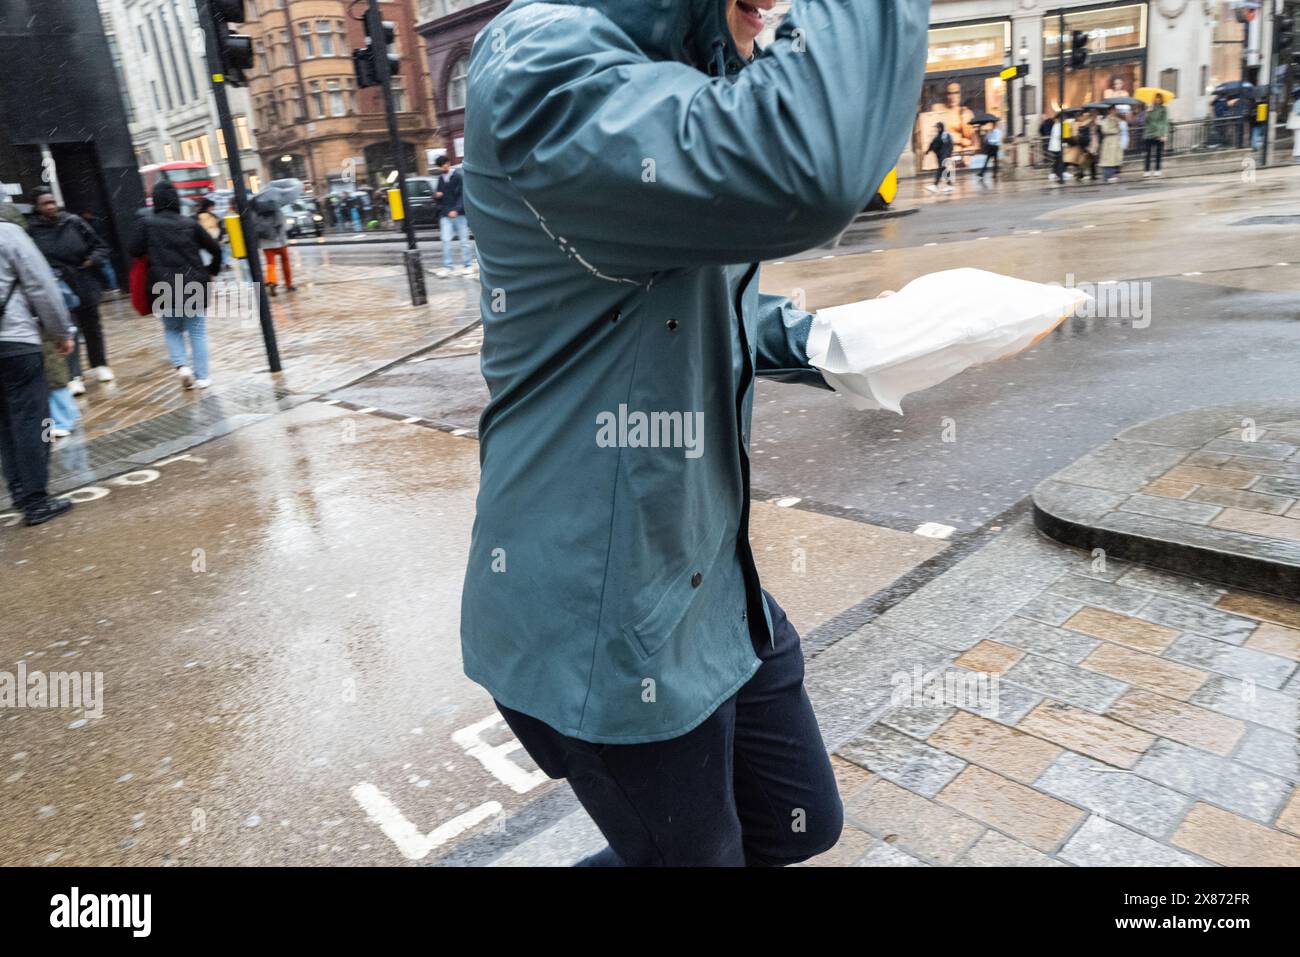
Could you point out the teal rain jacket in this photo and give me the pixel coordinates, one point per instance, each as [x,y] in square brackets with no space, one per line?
[624,174]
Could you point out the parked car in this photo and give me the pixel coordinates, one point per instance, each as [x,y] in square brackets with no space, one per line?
[303,219]
[419,195]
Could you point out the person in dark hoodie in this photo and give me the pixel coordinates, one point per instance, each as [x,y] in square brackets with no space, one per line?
[76,254]
[178,280]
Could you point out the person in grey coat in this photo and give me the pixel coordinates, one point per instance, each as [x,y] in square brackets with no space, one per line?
[31,307]
[273,237]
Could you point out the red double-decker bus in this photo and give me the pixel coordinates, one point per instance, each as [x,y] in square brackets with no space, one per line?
[191,178]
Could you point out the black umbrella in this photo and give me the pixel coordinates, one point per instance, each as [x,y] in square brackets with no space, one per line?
[1234,88]
[985,118]
[1122,101]
[1095,106]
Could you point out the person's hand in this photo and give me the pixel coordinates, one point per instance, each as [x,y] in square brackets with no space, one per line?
[437,195]
[452,214]
[87,264]
[64,347]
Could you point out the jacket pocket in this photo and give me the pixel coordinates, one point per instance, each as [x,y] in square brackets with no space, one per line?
[652,632]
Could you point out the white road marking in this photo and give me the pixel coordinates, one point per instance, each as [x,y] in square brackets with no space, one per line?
[331,402]
[934,530]
[494,758]
[788,501]
[413,419]
[461,431]
[413,845]
[366,411]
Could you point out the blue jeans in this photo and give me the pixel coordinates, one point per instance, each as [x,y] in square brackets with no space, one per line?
[726,793]
[455,228]
[64,412]
[110,276]
[175,328]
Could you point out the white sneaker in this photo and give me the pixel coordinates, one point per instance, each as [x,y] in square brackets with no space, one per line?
[76,386]
[442,272]
[1146,173]
[948,189]
[202,383]
[932,188]
[1158,172]
[103,374]
[187,376]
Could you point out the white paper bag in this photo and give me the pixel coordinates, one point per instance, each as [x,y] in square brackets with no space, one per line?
[876,351]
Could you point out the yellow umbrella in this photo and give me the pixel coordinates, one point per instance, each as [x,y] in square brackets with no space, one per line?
[1147,94]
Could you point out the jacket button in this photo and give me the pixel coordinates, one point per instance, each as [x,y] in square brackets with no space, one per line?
[696,579]
[672,325]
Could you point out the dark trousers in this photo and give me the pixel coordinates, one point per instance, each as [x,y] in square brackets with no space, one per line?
[752,785]
[1058,163]
[992,153]
[87,320]
[24,409]
[1159,146]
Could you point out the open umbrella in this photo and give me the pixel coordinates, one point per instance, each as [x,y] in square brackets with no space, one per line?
[1148,94]
[280,192]
[1234,88]
[1122,101]
[1094,106]
[983,118]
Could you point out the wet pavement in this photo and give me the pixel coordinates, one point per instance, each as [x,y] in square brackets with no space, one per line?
[346,320]
[275,611]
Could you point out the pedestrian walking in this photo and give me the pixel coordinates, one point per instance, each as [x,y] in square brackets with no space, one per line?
[941,147]
[31,310]
[75,253]
[992,146]
[179,281]
[1082,151]
[612,604]
[1293,124]
[1053,146]
[273,237]
[449,191]
[1112,152]
[1155,133]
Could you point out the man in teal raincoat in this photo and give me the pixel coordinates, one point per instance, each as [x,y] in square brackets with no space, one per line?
[628,164]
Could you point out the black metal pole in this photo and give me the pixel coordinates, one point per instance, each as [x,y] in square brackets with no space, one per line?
[215,72]
[379,48]
[1060,59]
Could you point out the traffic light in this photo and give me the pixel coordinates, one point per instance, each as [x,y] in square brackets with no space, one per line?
[235,50]
[380,34]
[1078,48]
[1285,32]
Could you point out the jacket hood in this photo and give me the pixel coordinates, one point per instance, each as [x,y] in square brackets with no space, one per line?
[689,31]
[9,213]
[165,198]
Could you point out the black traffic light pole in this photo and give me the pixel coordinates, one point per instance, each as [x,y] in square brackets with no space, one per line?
[379,54]
[217,72]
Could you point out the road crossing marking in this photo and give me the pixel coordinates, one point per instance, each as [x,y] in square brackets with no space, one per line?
[412,844]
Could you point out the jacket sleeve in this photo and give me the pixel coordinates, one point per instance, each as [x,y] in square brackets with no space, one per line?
[782,342]
[41,289]
[139,244]
[97,249]
[645,165]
